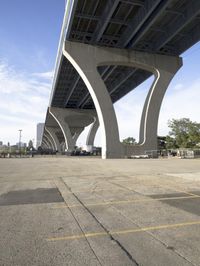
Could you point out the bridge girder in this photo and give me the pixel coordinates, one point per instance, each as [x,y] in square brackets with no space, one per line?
[191,10]
[137,26]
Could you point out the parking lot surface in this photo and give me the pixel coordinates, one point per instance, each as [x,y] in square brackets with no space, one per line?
[87,211]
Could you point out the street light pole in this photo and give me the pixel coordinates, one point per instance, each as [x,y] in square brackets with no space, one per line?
[20,136]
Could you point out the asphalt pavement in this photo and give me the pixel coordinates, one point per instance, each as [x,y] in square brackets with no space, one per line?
[58,210]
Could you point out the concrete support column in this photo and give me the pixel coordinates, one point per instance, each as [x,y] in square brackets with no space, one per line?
[77,132]
[47,142]
[63,146]
[92,132]
[52,133]
[85,60]
[58,116]
[44,144]
[50,140]
[151,109]
[71,122]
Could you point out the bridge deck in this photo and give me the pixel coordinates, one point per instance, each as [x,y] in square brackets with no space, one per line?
[158,26]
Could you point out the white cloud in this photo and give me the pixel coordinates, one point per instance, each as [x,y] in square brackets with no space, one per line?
[23,102]
[178,87]
[45,75]
[11,82]
[15,120]
[180,103]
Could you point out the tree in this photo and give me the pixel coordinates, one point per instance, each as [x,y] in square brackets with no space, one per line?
[129,140]
[184,133]
[171,143]
[161,142]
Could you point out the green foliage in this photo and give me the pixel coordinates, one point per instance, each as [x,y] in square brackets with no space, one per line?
[13,150]
[129,140]
[171,143]
[183,134]
[161,142]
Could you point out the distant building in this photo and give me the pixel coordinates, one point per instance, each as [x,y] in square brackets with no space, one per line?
[21,144]
[1,143]
[40,129]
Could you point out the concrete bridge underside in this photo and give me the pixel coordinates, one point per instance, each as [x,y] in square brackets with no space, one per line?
[107,48]
[64,125]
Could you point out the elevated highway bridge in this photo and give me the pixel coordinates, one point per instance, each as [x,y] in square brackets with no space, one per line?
[107,48]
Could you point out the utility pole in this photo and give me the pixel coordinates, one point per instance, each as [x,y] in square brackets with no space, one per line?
[20,136]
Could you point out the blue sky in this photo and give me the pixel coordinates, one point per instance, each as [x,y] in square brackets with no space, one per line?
[29,35]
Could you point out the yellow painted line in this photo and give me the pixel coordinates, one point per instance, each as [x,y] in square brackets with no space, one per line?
[127,189]
[124,202]
[178,190]
[163,186]
[123,232]
[74,237]
[96,190]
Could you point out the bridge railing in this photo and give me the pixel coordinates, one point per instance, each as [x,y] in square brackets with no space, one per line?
[69,11]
